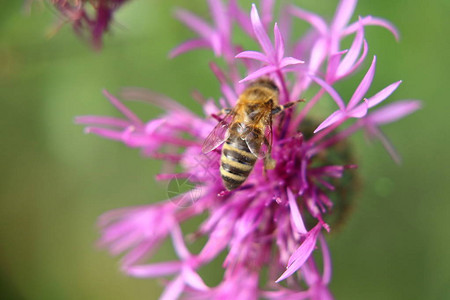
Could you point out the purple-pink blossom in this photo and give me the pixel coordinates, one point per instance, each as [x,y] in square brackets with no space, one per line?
[90,19]
[277,219]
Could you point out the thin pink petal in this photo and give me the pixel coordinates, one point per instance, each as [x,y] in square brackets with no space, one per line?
[229,93]
[358,63]
[253,55]
[315,20]
[188,46]
[194,280]
[267,12]
[303,252]
[178,242]
[173,290]
[333,118]
[260,33]
[330,91]
[369,20]
[333,65]
[394,111]
[260,72]
[383,94]
[352,54]
[220,16]
[107,133]
[279,43]
[343,14]
[295,213]
[150,97]
[387,145]
[359,111]
[242,18]
[98,120]
[318,54]
[123,109]
[195,23]
[288,61]
[153,125]
[327,268]
[363,86]
[154,270]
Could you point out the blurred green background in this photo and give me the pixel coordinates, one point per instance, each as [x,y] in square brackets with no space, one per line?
[55,180]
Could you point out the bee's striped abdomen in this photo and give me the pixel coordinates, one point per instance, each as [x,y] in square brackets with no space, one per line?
[236,162]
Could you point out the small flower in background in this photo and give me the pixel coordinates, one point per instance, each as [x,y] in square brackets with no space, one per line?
[90,19]
[270,226]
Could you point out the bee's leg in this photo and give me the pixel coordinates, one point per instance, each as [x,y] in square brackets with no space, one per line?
[269,162]
[224,111]
[280,108]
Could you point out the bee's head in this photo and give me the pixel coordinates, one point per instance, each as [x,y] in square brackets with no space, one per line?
[262,91]
[265,82]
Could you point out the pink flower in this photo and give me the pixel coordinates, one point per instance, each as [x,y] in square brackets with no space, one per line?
[217,37]
[88,16]
[353,109]
[274,221]
[273,55]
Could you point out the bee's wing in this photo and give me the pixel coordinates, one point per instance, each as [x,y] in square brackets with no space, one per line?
[219,134]
[260,147]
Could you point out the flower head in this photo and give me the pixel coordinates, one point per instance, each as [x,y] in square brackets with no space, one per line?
[278,217]
[91,17]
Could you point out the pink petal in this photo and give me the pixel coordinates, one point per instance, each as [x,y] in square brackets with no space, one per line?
[358,63]
[315,20]
[253,55]
[173,290]
[229,93]
[195,23]
[387,145]
[154,270]
[178,242]
[287,61]
[148,96]
[258,73]
[352,54]
[241,17]
[267,12]
[330,91]
[194,280]
[383,94]
[279,44]
[343,14]
[299,257]
[369,20]
[123,109]
[327,268]
[138,252]
[188,46]
[333,118]
[98,120]
[220,16]
[318,54]
[363,86]
[107,133]
[296,218]
[394,111]
[333,65]
[359,111]
[153,125]
[260,33]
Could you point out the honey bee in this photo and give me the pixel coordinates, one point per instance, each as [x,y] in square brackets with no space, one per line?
[246,131]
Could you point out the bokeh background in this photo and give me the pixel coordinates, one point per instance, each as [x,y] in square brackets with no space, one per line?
[55,180]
